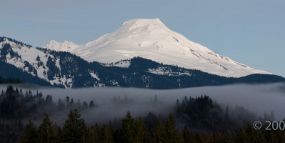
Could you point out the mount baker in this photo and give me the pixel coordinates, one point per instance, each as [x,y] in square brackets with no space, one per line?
[151,39]
[142,53]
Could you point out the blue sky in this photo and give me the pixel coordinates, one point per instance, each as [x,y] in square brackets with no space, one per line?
[249,31]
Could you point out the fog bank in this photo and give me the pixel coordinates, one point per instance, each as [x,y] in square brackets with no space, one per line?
[113,103]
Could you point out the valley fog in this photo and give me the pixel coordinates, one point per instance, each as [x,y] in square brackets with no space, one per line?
[114,103]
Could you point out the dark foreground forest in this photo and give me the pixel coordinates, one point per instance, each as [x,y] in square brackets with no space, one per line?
[25,118]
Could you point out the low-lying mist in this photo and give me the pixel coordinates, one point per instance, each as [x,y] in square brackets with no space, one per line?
[114,103]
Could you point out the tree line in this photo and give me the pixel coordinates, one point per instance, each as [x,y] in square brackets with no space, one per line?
[135,130]
[17,106]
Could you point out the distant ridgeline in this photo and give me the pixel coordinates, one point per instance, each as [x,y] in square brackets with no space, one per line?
[62,69]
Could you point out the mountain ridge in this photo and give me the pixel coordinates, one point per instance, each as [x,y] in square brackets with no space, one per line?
[152,39]
[66,70]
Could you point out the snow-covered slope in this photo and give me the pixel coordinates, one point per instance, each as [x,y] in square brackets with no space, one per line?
[59,69]
[64,46]
[31,60]
[151,39]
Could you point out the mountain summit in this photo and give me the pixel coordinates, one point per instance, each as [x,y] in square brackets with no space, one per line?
[152,39]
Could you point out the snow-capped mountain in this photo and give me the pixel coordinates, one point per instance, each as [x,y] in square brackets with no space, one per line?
[62,69]
[57,69]
[151,39]
[26,57]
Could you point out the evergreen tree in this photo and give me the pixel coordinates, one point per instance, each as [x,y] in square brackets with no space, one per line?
[85,105]
[128,132]
[29,134]
[91,104]
[170,130]
[140,131]
[159,133]
[46,131]
[74,129]
[106,135]
[58,133]
[93,134]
